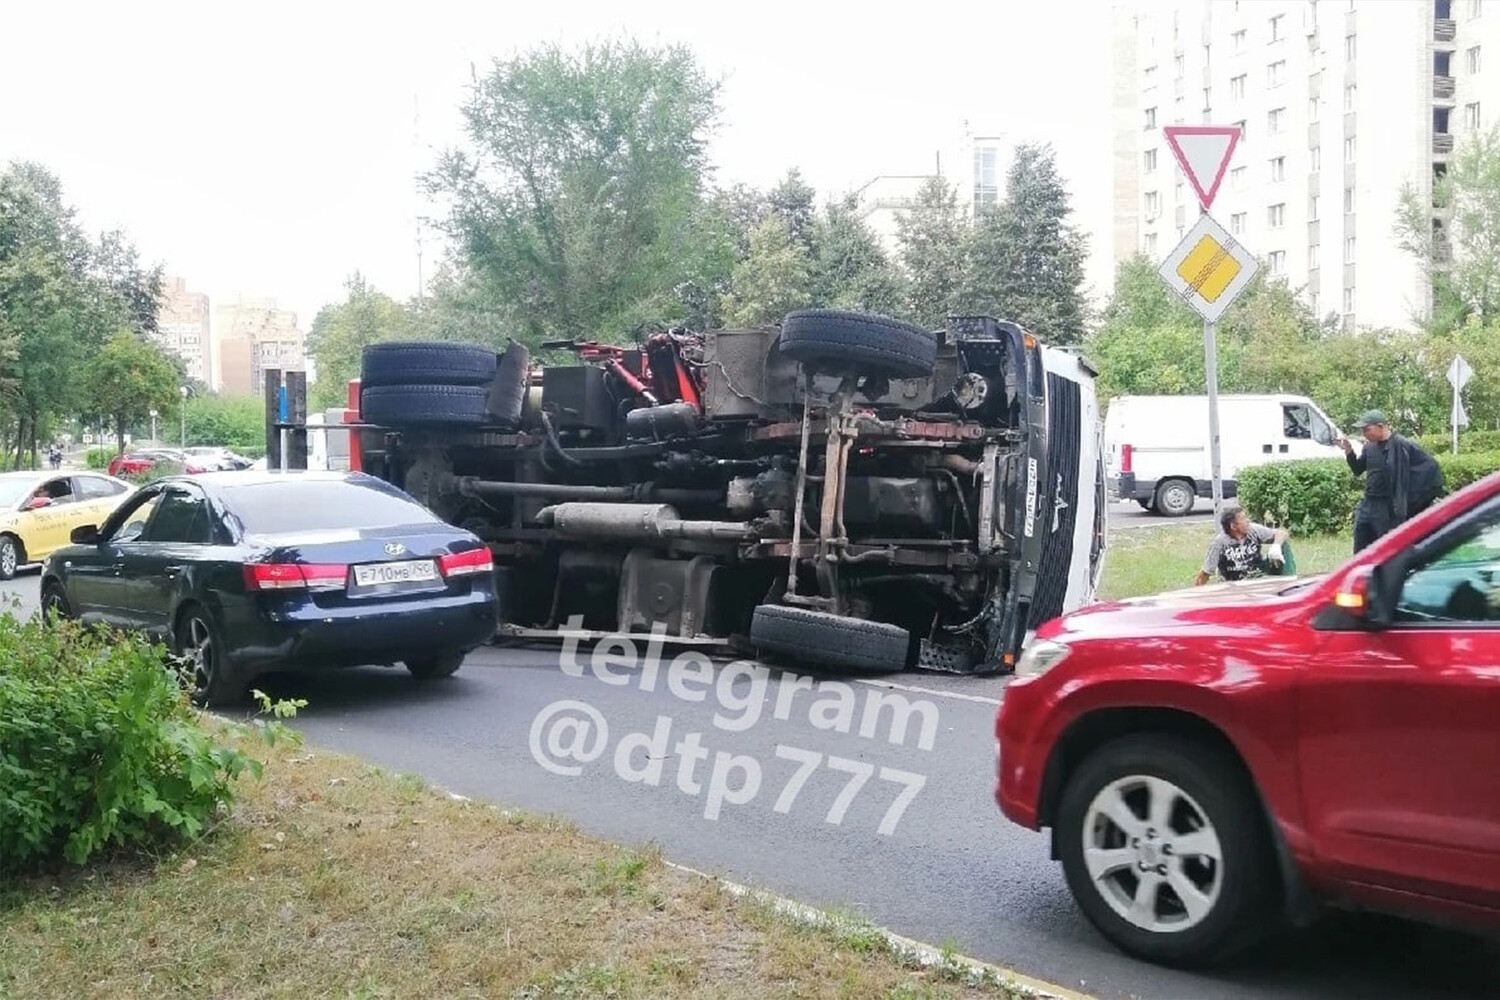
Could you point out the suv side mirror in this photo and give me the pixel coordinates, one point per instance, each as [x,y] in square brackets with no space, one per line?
[85,534]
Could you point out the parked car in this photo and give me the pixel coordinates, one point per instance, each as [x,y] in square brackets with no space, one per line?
[1157,446]
[135,463]
[217,459]
[1212,761]
[249,572]
[38,512]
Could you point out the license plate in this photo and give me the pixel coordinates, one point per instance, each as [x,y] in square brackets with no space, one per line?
[382,574]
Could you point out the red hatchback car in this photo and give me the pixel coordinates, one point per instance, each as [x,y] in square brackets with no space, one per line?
[1217,762]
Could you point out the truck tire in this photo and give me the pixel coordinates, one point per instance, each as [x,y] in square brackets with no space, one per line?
[414,405]
[426,364]
[847,343]
[1175,497]
[508,391]
[829,640]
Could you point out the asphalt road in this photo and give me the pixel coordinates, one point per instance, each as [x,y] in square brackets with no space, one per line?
[1130,515]
[945,868]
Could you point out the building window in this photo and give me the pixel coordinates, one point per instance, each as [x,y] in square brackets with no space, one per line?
[1348,200]
[1473,59]
[1349,250]
[1312,109]
[1312,208]
[1349,47]
[1349,96]
[1237,179]
[1276,216]
[1348,300]
[1276,28]
[1276,73]
[1150,77]
[1239,40]
[1207,100]
[1180,66]
[1349,150]
[1474,8]
[1153,204]
[1150,118]
[1237,223]
[1177,193]
[1471,116]
[1148,243]
[1315,159]
[1310,15]
[986,175]
[1244,132]
[1312,256]
[1150,160]
[1278,169]
[1275,119]
[1237,87]
[1278,262]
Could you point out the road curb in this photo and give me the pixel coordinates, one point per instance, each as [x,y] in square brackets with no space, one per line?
[905,948]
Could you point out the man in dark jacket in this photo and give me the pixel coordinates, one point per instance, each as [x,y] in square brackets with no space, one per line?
[1401,480]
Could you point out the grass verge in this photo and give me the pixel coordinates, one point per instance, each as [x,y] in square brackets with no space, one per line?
[1151,560]
[335,879]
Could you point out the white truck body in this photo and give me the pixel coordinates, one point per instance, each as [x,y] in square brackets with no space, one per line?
[1157,447]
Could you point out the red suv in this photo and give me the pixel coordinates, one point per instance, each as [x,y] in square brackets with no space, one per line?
[1215,762]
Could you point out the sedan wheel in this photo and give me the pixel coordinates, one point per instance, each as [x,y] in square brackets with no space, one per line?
[10,558]
[198,643]
[1166,850]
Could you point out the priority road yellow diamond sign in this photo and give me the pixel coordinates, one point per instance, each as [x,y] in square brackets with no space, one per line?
[1209,269]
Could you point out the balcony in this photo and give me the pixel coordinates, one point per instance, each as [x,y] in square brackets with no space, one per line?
[1444,29]
[1443,88]
[1442,143]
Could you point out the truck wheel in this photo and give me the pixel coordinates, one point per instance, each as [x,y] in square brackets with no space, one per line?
[1175,497]
[412,405]
[426,364]
[829,640]
[508,392]
[1166,850]
[849,343]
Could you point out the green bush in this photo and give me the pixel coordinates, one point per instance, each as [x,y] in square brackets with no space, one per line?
[99,458]
[1318,496]
[1473,441]
[99,747]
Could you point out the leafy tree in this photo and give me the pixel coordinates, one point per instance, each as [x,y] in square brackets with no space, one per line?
[773,280]
[341,332]
[934,240]
[236,422]
[1026,260]
[851,270]
[127,379]
[1462,256]
[739,210]
[575,202]
[793,200]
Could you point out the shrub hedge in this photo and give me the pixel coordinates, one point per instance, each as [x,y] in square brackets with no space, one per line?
[100,747]
[1318,496]
[1474,441]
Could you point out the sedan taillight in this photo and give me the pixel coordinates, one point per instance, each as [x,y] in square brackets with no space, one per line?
[295,576]
[467,563]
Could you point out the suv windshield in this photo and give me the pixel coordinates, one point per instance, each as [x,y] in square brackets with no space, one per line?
[319,505]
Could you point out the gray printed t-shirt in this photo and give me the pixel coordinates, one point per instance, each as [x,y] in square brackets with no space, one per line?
[1237,558]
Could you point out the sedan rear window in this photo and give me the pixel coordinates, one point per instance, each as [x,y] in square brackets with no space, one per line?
[319,505]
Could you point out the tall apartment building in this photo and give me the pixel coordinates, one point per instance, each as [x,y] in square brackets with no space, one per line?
[1340,103]
[975,165]
[253,335]
[182,328]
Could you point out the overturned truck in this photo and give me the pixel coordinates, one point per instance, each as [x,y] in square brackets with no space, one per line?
[844,489]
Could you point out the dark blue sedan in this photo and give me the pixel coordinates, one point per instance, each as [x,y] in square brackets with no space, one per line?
[249,572]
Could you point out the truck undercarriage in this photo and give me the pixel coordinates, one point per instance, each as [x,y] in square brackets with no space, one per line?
[844,489]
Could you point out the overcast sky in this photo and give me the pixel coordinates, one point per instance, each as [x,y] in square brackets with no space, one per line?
[269,149]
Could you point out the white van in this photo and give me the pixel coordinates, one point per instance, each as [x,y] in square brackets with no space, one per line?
[1156,447]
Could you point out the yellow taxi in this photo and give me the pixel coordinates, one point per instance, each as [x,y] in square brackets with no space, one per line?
[39,510]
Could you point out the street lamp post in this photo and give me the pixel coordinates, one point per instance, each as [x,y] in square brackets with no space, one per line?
[153,426]
[184,390]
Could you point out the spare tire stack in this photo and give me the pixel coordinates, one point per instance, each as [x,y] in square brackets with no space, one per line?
[428,384]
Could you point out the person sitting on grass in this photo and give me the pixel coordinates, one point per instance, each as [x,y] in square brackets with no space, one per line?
[1235,554]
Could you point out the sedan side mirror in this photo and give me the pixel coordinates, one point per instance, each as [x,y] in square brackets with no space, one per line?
[1359,596]
[36,503]
[85,534]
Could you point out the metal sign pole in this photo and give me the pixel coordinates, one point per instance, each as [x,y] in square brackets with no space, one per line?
[1211,376]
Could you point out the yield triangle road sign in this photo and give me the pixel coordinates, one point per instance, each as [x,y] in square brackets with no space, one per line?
[1203,153]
